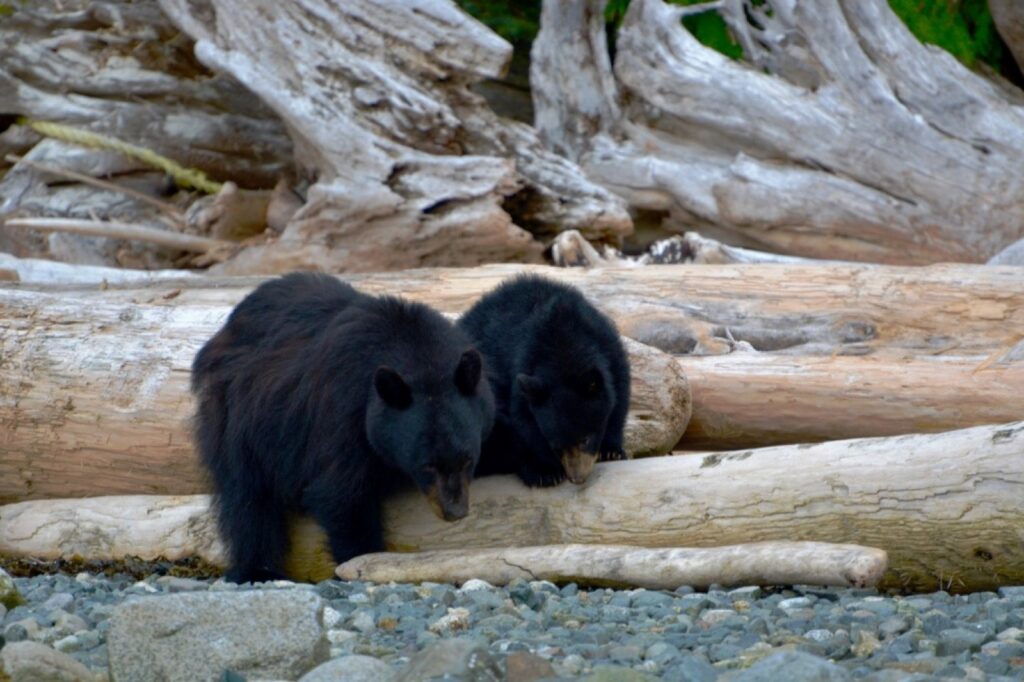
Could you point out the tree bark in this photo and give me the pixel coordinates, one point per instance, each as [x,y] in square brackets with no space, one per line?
[847,139]
[945,507]
[760,563]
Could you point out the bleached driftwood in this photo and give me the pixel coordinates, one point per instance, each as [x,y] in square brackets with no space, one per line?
[847,139]
[748,399]
[413,168]
[945,507]
[93,386]
[571,249]
[122,69]
[115,230]
[39,271]
[94,393]
[759,563]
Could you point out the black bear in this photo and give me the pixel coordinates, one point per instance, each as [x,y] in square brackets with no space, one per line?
[317,398]
[560,378]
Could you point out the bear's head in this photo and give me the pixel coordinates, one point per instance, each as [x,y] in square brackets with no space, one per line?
[570,404]
[430,424]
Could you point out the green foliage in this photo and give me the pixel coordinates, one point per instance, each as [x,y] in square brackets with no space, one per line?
[962,27]
[515,21]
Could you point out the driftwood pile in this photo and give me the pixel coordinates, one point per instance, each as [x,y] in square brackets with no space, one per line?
[814,381]
[95,403]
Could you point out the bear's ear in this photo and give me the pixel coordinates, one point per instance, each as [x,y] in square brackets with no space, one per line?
[532,387]
[467,374]
[392,388]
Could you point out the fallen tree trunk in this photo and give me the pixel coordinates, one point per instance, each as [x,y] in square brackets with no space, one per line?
[945,507]
[94,393]
[950,310]
[746,399]
[761,563]
[94,397]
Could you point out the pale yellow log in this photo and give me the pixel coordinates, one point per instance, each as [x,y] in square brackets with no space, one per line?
[622,566]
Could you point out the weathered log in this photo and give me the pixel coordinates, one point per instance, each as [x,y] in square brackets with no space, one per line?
[848,139]
[746,399]
[39,271]
[94,394]
[413,166]
[945,507]
[99,377]
[759,563]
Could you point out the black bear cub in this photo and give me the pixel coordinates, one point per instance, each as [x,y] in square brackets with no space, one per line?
[317,398]
[560,378]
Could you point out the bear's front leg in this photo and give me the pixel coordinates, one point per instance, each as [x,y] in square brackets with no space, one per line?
[353,526]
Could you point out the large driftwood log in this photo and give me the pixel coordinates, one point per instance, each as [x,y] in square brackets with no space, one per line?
[94,394]
[964,311]
[759,563]
[847,139]
[93,383]
[748,399]
[945,507]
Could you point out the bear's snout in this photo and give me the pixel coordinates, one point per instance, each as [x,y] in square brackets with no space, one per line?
[578,465]
[449,497]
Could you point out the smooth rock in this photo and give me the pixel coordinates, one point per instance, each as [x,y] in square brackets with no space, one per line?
[350,669]
[464,660]
[952,642]
[522,666]
[613,673]
[475,584]
[62,601]
[34,662]
[196,636]
[455,620]
[691,669]
[792,666]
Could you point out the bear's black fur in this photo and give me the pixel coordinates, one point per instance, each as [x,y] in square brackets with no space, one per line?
[560,378]
[317,398]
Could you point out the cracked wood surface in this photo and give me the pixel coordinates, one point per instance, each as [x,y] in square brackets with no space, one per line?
[945,507]
[623,567]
